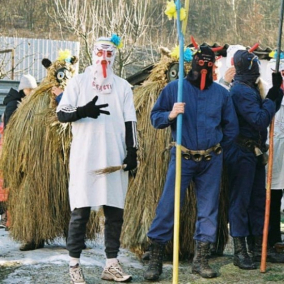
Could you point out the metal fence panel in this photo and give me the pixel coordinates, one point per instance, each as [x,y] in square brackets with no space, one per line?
[29,54]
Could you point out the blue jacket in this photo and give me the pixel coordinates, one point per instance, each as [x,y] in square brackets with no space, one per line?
[254,114]
[209,116]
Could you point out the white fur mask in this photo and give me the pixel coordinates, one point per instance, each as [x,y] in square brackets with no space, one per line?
[103,59]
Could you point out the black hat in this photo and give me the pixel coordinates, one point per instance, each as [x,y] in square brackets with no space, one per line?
[246,63]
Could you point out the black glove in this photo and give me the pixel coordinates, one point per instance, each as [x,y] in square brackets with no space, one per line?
[91,109]
[274,93]
[276,80]
[131,159]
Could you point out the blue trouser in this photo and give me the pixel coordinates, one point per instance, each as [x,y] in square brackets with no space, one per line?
[207,176]
[246,192]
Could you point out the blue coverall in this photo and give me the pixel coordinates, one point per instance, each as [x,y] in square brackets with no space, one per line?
[245,170]
[209,119]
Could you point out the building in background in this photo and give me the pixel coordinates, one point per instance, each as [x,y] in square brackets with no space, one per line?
[28,53]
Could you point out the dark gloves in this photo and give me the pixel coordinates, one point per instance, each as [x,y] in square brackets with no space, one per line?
[131,159]
[274,94]
[276,79]
[91,109]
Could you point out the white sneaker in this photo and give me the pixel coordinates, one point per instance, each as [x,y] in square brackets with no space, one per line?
[115,273]
[76,274]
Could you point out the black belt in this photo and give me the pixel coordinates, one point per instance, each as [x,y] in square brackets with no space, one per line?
[249,144]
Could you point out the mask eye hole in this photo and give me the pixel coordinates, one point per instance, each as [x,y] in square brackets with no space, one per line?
[210,64]
[201,62]
[109,54]
[100,53]
[173,73]
[60,75]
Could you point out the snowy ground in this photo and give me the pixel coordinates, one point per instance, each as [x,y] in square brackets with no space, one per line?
[50,265]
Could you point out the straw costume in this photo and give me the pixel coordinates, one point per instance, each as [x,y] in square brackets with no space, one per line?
[35,161]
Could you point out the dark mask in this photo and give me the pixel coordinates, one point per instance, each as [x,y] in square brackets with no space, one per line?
[247,67]
[202,65]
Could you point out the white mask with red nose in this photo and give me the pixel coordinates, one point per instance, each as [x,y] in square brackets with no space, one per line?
[103,59]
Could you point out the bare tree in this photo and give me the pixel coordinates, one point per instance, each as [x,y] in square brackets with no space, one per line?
[90,19]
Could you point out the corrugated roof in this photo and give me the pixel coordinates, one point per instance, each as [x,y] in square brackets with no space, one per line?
[261,52]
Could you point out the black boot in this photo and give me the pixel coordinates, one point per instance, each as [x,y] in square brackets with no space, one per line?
[32,245]
[155,267]
[200,261]
[241,257]
[272,255]
[274,235]
[250,246]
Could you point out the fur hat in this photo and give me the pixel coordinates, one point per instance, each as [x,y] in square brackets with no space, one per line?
[27,82]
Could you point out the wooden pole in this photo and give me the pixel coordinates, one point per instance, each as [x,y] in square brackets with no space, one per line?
[270,160]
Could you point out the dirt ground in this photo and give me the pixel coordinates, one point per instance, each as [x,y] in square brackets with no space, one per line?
[50,265]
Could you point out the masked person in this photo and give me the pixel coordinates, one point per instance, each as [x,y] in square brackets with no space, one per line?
[209,123]
[277,182]
[245,160]
[100,106]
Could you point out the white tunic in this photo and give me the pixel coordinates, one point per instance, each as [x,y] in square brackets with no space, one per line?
[278,151]
[98,143]
[278,137]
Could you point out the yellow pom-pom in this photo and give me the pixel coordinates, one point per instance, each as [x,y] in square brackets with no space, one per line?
[272,54]
[64,54]
[171,10]
[175,53]
[182,14]
[120,45]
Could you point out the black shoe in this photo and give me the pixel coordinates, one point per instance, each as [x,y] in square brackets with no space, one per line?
[31,246]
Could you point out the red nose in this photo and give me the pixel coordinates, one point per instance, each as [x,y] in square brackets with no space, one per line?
[104,66]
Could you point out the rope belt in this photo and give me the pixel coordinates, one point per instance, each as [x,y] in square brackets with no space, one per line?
[198,155]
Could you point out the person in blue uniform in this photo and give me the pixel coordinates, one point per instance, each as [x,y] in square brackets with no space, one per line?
[209,124]
[246,161]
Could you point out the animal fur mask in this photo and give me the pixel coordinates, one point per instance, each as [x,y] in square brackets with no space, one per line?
[61,70]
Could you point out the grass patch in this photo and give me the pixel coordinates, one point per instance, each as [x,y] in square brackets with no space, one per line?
[274,277]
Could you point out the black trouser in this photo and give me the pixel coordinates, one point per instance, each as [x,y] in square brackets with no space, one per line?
[77,230]
[274,235]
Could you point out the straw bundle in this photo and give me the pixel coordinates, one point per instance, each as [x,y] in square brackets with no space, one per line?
[34,162]
[145,189]
[109,170]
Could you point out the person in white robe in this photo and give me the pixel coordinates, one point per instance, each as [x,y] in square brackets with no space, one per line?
[277,182]
[100,106]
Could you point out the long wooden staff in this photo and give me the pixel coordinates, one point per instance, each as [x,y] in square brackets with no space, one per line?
[178,146]
[270,160]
